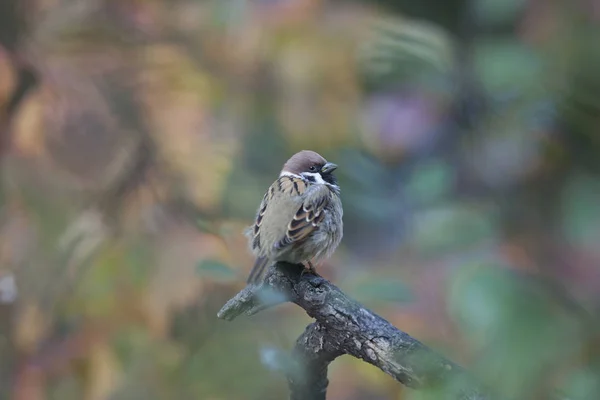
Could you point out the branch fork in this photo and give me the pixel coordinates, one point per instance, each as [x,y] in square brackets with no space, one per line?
[344,326]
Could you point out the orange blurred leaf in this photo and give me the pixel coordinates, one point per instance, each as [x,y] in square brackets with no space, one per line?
[102,372]
[7,78]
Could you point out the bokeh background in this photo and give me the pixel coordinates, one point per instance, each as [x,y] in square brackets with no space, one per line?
[138,137]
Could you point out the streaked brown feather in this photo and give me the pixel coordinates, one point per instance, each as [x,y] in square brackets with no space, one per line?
[291,185]
[259,219]
[307,219]
[288,185]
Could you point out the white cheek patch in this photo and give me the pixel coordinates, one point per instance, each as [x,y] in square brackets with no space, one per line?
[314,177]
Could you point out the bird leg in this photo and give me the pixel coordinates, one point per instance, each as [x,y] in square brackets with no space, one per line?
[311,269]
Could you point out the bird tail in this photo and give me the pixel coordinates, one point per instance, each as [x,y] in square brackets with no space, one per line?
[258,270]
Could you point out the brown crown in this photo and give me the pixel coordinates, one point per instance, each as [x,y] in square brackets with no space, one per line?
[302,161]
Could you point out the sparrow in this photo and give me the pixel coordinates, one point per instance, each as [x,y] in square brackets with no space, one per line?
[300,217]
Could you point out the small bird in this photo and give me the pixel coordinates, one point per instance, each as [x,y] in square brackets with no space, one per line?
[300,217]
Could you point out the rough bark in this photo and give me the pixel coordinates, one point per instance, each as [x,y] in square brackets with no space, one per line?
[343,326]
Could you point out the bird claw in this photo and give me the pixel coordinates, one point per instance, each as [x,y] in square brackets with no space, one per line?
[310,269]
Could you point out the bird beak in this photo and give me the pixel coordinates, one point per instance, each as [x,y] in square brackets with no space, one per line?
[328,168]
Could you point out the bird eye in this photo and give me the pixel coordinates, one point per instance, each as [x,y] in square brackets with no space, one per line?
[313,168]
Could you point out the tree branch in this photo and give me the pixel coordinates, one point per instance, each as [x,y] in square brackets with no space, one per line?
[311,356]
[343,326]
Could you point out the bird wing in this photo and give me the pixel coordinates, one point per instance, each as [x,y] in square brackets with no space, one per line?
[308,216]
[254,233]
[290,199]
